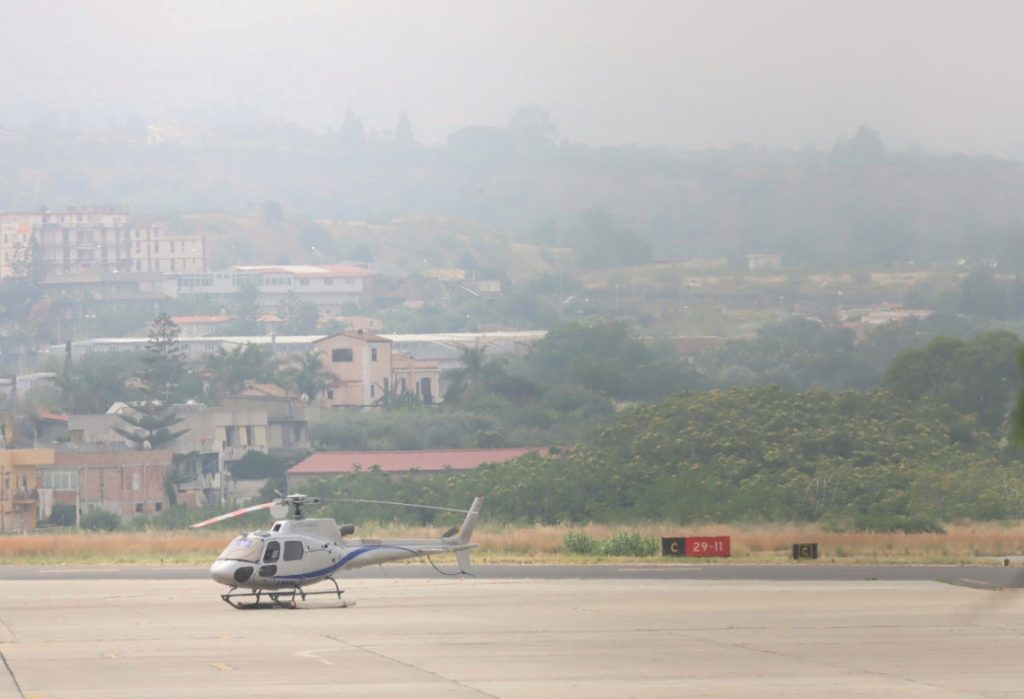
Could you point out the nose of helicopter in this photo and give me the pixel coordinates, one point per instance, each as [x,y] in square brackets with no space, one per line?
[231,572]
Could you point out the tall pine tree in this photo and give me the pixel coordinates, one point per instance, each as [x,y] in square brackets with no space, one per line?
[149,424]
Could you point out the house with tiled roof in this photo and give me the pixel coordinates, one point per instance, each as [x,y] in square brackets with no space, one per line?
[326,464]
[366,371]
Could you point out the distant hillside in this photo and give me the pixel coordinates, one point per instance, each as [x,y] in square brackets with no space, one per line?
[402,246]
[854,204]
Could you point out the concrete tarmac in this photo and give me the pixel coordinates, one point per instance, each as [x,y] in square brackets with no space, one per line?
[514,639]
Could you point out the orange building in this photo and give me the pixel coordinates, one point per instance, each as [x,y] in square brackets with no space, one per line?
[19,487]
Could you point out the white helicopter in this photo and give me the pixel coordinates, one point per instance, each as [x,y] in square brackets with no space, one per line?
[297,552]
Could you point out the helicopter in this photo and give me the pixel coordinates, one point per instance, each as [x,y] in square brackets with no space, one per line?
[298,552]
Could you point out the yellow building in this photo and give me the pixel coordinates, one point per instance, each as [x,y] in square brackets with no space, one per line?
[19,487]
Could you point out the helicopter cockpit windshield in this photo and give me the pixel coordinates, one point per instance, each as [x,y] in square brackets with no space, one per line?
[243,548]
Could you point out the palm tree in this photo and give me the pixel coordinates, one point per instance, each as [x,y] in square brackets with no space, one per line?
[307,376]
[229,371]
[475,366]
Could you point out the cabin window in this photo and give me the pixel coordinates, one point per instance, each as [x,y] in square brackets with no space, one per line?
[293,550]
[273,552]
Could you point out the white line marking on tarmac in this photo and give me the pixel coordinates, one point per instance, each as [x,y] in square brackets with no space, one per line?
[648,569]
[63,571]
[313,654]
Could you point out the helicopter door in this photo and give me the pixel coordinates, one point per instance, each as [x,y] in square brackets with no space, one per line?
[291,558]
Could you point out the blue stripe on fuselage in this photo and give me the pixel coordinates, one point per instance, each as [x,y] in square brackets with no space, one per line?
[335,566]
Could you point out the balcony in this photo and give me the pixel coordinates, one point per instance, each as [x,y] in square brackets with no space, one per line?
[25,497]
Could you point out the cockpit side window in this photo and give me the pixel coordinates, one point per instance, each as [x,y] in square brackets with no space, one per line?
[273,552]
[292,550]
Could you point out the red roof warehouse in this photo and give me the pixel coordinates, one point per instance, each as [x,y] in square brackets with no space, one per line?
[336,463]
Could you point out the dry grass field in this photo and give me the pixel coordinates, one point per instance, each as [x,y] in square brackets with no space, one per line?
[542,544]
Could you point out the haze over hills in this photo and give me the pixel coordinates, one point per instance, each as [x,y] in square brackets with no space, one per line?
[854,204]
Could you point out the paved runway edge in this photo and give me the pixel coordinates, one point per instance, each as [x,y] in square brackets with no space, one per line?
[985,577]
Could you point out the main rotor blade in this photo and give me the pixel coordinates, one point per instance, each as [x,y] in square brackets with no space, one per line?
[392,502]
[229,515]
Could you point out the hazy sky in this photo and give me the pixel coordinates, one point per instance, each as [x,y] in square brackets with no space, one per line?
[694,74]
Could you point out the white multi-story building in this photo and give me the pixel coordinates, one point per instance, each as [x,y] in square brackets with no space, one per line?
[330,287]
[91,240]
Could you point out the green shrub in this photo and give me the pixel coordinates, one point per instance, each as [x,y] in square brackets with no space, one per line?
[100,520]
[908,524]
[579,542]
[628,544]
[62,516]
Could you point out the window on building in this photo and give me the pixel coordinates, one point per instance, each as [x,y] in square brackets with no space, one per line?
[140,507]
[330,394]
[158,506]
[136,481]
[373,392]
[373,354]
[343,354]
[60,480]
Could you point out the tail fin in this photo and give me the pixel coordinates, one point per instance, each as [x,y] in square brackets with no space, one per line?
[463,558]
[466,530]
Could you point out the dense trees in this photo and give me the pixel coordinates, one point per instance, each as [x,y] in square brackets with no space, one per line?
[98,380]
[608,359]
[977,376]
[752,454]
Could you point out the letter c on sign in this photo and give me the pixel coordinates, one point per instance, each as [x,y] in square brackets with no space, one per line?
[674,548]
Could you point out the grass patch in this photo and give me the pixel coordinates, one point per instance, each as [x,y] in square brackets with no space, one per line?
[770,543]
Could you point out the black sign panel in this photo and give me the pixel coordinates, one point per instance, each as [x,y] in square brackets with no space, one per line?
[673,546]
[805,551]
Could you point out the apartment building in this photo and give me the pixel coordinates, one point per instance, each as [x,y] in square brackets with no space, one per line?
[94,240]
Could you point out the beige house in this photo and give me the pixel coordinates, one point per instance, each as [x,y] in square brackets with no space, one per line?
[361,364]
[419,376]
[366,370]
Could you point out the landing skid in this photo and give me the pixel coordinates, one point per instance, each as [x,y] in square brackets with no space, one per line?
[278,598]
